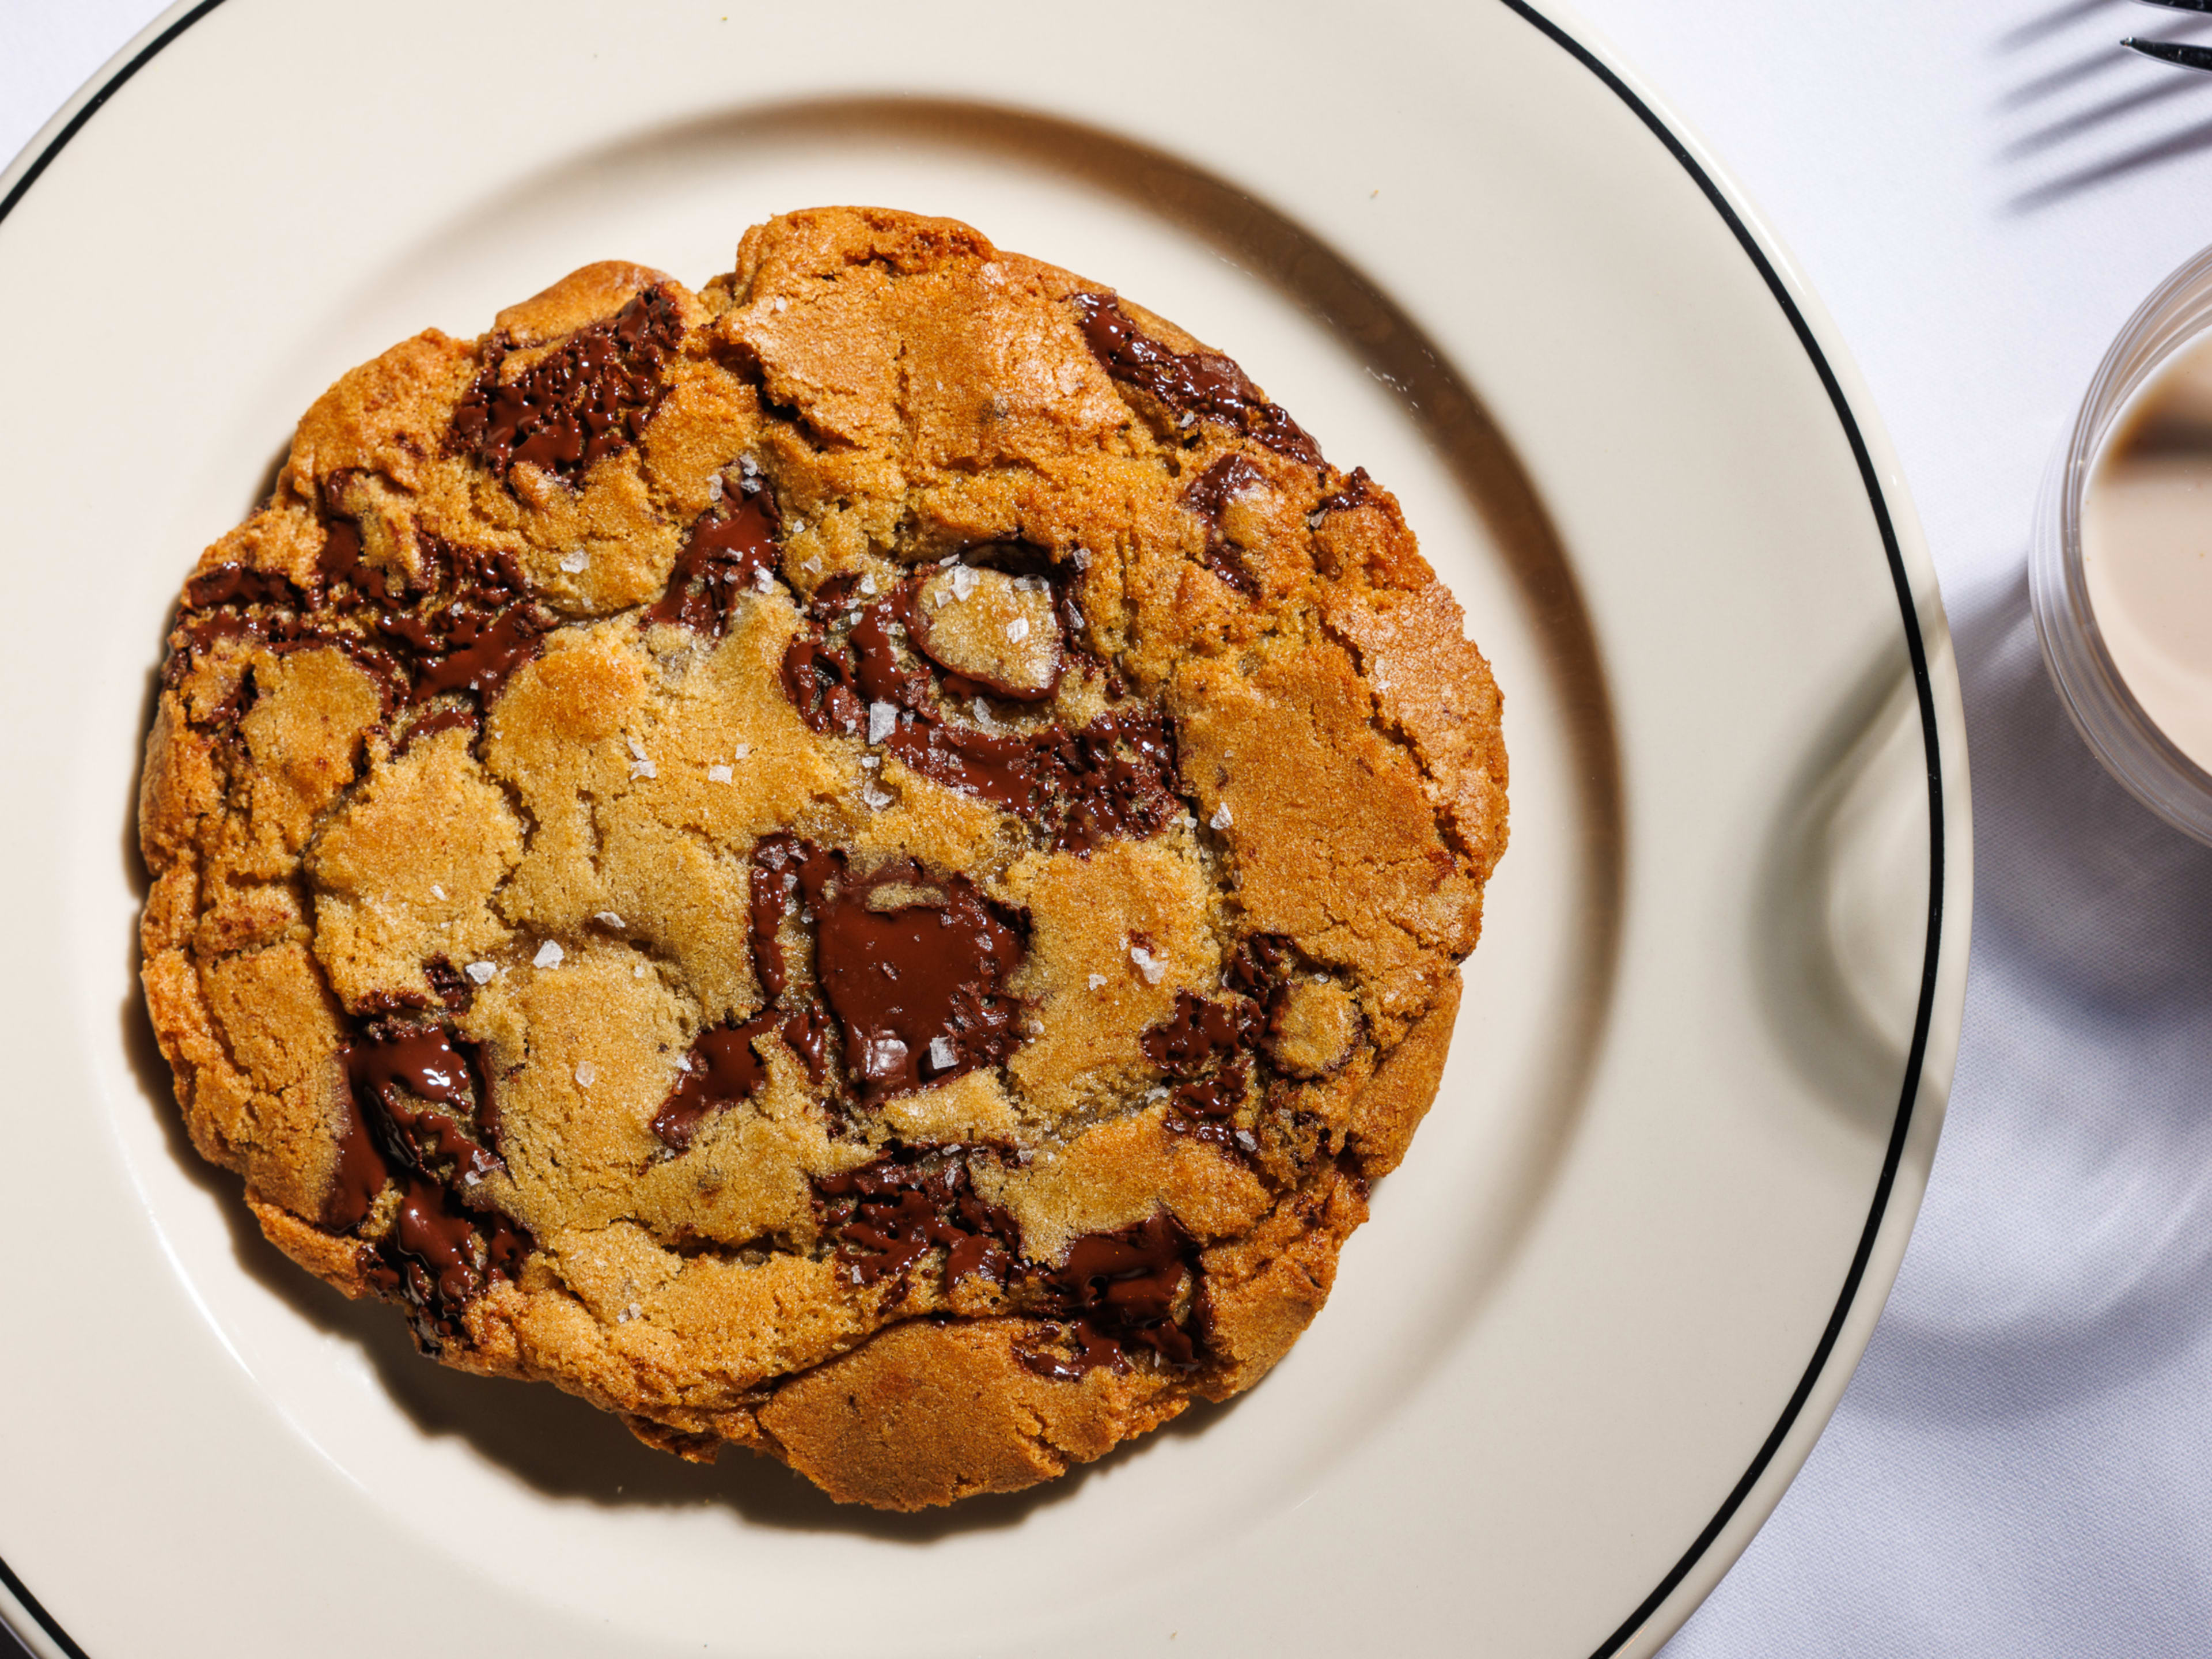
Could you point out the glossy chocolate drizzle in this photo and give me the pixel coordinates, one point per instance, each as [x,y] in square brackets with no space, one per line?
[588,397]
[1202,384]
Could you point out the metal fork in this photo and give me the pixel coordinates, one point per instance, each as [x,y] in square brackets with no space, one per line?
[2175,51]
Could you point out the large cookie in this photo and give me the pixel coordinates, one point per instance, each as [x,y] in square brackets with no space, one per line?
[865,862]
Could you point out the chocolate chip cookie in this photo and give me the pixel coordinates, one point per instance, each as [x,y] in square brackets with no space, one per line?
[865,862]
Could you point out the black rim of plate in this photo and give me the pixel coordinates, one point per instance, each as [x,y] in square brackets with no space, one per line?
[1923,691]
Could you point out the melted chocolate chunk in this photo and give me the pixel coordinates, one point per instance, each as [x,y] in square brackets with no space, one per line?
[724,1071]
[468,631]
[808,1032]
[1206,1110]
[920,989]
[721,557]
[1208,497]
[1356,493]
[487,627]
[1202,385]
[360,1175]
[876,670]
[340,559]
[411,1091]
[1262,965]
[483,652]
[1217,1097]
[590,397]
[886,1215]
[818,679]
[452,986]
[1200,1032]
[1003,770]
[782,865]
[1093,1348]
[445,720]
[1115,777]
[422,1089]
[439,1257]
[239,583]
[1120,1289]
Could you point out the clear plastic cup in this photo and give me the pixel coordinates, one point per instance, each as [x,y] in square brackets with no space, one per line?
[2110,720]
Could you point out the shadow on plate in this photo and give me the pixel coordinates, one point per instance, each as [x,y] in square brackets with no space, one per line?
[1840,918]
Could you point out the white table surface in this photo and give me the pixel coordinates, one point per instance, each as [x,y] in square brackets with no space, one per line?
[1981,193]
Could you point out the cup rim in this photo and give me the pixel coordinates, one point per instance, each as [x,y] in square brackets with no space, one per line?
[2117,727]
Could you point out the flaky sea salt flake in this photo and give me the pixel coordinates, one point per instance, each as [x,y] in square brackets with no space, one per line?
[480,971]
[1151,967]
[940,1054]
[882,721]
[719,774]
[586,1073]
[1220,820]
[609,918]
[1018,630]
[963,580]
[437,891]
[876,798]
[1094,981]
[574,562]
[548,955]
[764,579]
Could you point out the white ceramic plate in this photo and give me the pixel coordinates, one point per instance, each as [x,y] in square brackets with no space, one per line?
[1598,1316]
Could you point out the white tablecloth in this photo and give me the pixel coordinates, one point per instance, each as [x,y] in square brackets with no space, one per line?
[1981,193]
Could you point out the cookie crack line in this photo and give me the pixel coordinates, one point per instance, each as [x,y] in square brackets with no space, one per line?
[796,809]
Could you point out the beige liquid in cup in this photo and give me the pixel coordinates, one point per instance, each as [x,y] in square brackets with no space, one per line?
[2147,549]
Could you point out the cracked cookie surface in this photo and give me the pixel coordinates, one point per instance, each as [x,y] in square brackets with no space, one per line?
[865,862]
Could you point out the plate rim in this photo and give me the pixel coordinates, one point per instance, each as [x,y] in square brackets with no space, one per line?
[23,1615]
[1754,238]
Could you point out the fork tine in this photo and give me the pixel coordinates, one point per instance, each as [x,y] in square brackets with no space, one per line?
[2181,5]
[2172,52]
